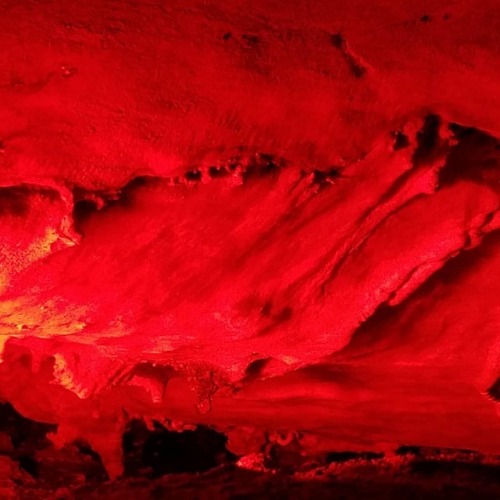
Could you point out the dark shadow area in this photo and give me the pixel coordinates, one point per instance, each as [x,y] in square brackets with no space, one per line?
[160,451]
[494,390]
[475,157]
[254,369]
[193,176]
[283,453]
[16,200]
[263,165]
[429,144]
[160,463]
[463,470]
[408,450]
[367,482]
[217,172]
[82,211]
[401,140]
[35,454]
[345,456]
[26,435]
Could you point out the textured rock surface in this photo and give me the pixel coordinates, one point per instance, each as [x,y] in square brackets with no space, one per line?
[252,216]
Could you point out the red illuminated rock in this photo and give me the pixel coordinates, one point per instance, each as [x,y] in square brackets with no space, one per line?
[254,216]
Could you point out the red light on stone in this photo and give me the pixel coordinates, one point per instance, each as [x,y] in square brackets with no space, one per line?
[264,219]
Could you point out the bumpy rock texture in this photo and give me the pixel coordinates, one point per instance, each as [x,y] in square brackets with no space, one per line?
[255,216]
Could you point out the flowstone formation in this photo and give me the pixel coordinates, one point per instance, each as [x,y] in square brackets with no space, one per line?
[251,218]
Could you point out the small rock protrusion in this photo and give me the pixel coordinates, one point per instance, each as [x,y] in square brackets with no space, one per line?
[68,71]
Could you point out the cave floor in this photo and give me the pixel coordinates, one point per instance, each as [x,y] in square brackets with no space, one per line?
[395,477]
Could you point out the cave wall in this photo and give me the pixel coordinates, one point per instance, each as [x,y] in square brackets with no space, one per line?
[254,216]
